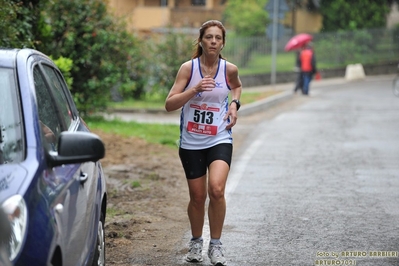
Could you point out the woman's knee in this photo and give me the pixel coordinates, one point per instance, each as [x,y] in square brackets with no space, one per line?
[198,199]
[197,189]
[216,193]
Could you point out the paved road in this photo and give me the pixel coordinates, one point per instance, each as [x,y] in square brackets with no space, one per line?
[318,183]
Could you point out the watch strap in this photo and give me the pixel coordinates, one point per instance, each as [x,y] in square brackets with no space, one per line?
[237,102]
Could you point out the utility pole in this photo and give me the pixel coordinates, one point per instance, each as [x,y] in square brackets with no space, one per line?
[293,19]
[274,42]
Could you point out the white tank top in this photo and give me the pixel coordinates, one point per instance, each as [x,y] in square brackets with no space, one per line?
[201,120]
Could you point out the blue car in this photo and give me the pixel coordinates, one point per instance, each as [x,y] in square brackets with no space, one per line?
[52,186]
[5,235]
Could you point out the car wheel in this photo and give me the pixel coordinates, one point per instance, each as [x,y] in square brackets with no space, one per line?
[99,255]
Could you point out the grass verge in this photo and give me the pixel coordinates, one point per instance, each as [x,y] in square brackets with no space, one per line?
[157,103]
[164,134]
[153,133]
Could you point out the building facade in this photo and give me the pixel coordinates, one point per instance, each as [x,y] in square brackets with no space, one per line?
[147,15]
[150,15]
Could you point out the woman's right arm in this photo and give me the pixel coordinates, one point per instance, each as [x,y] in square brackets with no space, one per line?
[178,96]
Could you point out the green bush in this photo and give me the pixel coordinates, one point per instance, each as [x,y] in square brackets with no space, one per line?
[65,65]
[99,47]
[168,54]
[20,23]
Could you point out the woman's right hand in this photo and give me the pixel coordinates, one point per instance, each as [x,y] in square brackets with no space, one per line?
[206,84]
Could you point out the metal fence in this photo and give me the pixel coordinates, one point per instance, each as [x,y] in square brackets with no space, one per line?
[337,49]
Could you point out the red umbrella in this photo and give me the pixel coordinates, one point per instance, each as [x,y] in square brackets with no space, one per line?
[298,41]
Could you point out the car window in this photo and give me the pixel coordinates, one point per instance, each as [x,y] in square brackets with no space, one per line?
[56,85]
[49,121]
[11,130]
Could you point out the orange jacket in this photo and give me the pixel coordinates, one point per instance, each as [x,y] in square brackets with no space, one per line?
[308,63]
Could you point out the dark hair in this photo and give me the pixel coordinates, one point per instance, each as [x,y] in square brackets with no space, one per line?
[206,25]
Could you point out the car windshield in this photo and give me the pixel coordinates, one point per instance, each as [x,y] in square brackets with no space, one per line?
[11,134]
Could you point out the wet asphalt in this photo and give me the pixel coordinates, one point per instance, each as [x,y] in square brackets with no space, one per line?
[318,183]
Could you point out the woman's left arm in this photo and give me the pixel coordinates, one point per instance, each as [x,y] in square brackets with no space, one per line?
[235,85]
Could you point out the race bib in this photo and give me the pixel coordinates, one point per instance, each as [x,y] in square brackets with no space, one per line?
[202,120]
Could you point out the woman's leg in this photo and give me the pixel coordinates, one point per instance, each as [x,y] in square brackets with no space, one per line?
[218,172]
[196,206]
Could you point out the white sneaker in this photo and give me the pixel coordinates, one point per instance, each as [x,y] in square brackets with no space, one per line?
[194,251]
[216,254]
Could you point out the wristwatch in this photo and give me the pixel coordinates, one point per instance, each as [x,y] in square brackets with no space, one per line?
[237,103]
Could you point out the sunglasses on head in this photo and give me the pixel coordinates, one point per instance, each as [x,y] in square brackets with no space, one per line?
[217,22]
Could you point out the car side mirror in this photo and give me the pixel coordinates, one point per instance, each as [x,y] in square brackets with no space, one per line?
[77,147]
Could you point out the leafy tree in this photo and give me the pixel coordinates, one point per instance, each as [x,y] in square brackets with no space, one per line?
[169,53]
[354,14]
[99,47]
[7,17]
[20,22]
[246,17]
[65,66]
[133,87]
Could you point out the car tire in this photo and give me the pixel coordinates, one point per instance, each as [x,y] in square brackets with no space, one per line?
[99,254]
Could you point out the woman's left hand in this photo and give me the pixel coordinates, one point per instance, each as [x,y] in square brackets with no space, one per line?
[232,113]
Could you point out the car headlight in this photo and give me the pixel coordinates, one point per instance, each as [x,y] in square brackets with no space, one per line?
[15,208]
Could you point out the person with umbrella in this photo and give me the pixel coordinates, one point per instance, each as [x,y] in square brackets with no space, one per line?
[305,62]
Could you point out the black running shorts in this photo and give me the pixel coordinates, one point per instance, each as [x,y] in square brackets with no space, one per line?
[196,162]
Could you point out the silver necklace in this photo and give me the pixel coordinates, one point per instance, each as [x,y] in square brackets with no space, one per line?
[209,72]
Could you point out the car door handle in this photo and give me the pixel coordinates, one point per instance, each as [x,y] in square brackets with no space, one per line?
[83,177]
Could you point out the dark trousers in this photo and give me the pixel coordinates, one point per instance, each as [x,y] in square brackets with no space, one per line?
[307,78]
[299,82]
